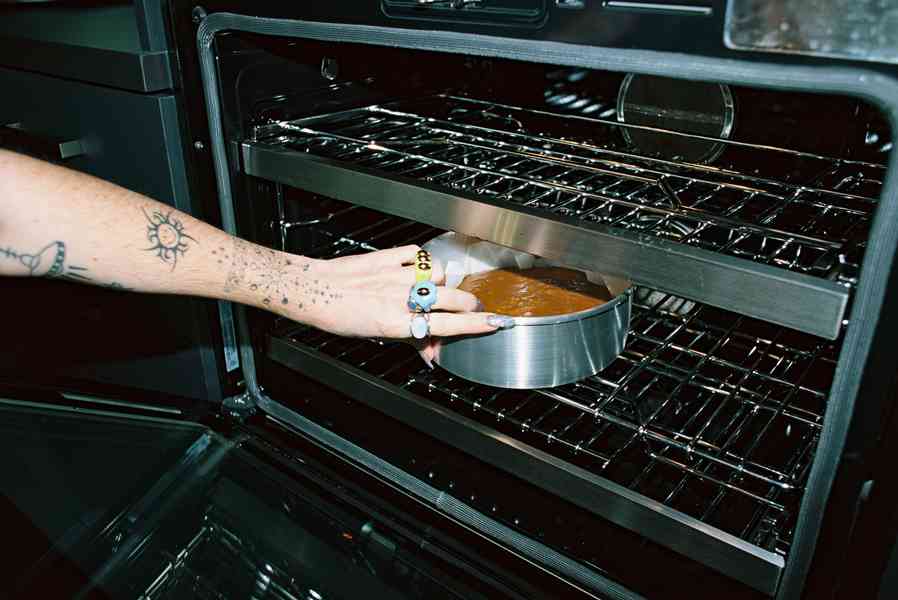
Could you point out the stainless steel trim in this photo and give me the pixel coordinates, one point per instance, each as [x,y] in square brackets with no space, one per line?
[141,406]
[92,411]
[228,336]
[673,9]
[235,347]
[794,300]
[571,4]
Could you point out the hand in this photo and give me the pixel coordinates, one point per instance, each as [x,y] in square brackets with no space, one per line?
[365,295]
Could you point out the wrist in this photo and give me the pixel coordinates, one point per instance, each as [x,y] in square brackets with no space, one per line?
[312,304]
[268,279]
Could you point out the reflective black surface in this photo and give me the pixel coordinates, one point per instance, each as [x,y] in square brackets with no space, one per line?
[105,506]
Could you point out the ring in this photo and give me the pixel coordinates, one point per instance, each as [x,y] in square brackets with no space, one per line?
[422,296]
[423,266]
[420,326]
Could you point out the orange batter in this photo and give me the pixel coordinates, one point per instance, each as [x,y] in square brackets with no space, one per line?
[538,292]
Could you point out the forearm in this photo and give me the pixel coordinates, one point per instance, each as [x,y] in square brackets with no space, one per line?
[55,222]
[59,223]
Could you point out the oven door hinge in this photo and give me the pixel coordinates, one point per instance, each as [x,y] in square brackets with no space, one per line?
[239,407]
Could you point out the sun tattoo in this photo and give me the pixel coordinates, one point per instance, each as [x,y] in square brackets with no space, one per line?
[167,235]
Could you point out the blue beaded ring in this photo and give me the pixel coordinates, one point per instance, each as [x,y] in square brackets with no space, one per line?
[422,296]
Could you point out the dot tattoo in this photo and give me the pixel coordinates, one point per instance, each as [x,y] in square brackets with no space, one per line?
[263,271]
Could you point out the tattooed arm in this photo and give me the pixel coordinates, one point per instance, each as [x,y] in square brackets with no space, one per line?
[55,222]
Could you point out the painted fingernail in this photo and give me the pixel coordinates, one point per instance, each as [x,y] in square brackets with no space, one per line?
[500,322]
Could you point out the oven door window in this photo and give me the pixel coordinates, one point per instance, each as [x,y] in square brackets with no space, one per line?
[115,507]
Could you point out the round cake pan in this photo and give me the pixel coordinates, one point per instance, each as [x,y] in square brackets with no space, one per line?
[540,352]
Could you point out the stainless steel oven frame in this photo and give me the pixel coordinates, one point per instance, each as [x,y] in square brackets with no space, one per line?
[820,303]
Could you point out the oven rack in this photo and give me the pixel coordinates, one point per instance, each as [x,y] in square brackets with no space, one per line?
[216,564]
[749,444]
[784,223]
[707,413]
[767,369]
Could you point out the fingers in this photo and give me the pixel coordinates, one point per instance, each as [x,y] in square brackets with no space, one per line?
[405,257]
[448,324]
[428,349]
[406,275]
[395,265]
[426,357]
[377,261]
[450,299]
[456,300]
[394,257]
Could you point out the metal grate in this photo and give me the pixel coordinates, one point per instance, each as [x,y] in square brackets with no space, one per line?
[217,564]
[795,210]
[710,412]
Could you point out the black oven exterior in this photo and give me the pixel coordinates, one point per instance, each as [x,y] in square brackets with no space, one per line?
[82,84]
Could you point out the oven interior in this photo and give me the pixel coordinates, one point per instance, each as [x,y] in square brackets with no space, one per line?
[709,412]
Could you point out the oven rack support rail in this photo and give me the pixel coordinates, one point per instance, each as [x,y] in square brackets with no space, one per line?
[785,252]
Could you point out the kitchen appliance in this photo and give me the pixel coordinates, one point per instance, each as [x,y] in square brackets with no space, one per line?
[738,447]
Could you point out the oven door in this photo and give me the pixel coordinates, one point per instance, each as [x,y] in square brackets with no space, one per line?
[110,505]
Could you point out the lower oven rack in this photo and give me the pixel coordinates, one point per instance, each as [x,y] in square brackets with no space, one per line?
[787,226]
[218,563]
[699,437]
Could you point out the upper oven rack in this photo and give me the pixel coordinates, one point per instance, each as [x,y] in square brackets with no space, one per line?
[783,244]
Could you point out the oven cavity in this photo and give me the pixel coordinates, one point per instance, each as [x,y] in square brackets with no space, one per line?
[743,220]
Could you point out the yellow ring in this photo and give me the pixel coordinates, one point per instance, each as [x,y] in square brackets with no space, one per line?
[423,266]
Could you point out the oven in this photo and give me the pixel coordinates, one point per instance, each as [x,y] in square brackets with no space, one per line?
[732,159]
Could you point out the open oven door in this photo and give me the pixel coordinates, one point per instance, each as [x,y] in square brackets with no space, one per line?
[100,504]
